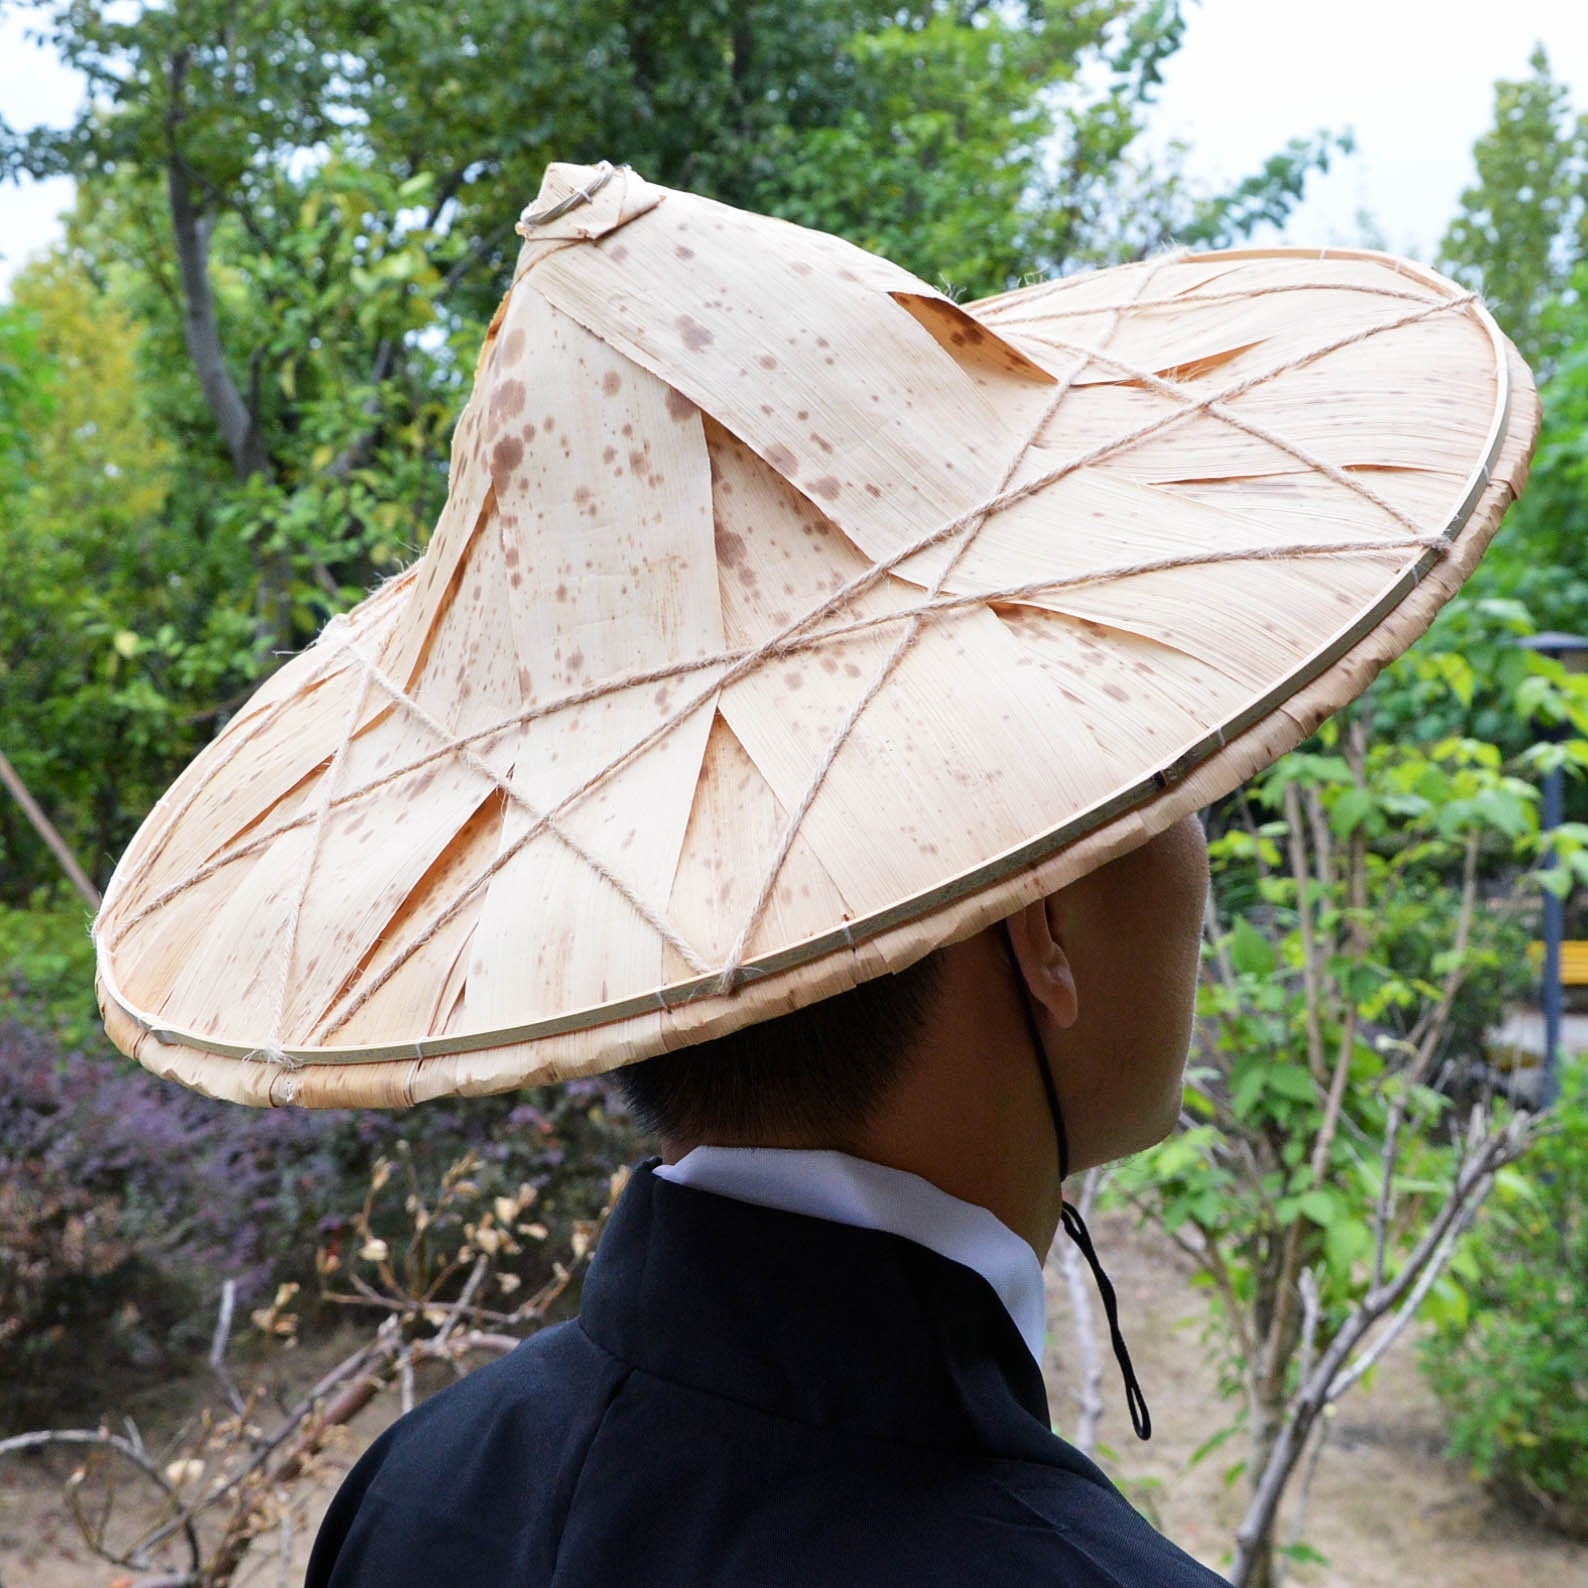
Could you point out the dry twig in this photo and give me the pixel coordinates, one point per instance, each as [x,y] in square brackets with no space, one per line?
[227,1478]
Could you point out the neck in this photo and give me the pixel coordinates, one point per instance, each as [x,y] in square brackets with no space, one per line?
[968,1112]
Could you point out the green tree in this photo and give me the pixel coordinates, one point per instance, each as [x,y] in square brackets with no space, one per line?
[1032,106]
[25,400]
[926,129]
[1507,1359]
[1523,226]
[84,544]
[1521,238]
[975,154]
[1468,676]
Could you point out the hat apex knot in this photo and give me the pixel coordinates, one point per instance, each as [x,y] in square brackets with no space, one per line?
[580,203]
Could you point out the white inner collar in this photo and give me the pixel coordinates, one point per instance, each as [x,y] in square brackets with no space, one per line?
[848,1190]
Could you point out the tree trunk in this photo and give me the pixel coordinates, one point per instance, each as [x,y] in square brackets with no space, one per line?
[45,828]
[1279,1317]
[238,427]
[235,417]
[1259,1559]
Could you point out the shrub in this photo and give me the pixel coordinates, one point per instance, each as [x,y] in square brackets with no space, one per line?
[129,1201]
[74,1286]
[47,970]
[1509,1359]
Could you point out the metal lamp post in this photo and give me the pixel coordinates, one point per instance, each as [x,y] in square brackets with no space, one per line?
[1571,651]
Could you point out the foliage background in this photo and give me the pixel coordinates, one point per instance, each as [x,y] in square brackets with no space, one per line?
[1507,1357]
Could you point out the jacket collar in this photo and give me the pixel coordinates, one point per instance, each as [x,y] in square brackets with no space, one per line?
[847,1190]
[820,1322]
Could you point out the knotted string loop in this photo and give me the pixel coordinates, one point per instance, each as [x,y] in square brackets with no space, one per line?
[1070,1216]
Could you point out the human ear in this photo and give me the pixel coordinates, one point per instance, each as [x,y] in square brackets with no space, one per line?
[1043,965]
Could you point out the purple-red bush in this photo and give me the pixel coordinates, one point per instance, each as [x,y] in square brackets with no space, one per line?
[129,1200]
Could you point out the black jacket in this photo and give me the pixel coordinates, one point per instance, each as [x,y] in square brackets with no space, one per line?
[754,1398]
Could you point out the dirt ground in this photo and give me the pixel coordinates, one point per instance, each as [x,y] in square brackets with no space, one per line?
[1386,1508]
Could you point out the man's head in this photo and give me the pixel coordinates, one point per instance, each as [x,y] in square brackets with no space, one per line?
[932,1070]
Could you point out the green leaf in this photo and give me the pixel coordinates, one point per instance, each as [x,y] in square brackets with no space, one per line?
[1245,1090]
[1345,1240]
[1212,1443]
[1250,952]
[1179,1153]
[1556,880]
[1294,1082]
[1351,808]
[1303,1554]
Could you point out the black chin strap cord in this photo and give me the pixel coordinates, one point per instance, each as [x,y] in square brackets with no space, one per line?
[1075,1225]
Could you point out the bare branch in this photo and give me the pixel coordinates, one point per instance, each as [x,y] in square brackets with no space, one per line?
[46,830]
[284,1553]
[1400,1295]
[405,1381]
[1457,973]
[1210,1260]
[1310,969]
[1304,1494]
[471,1286]
[1311,1314]
[1407,1310]
[1383,1215]
[137,1456]
[1336,1098]
[239,1475]
[236,423]
[218,1344]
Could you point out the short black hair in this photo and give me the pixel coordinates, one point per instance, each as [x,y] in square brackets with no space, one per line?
[811,1074]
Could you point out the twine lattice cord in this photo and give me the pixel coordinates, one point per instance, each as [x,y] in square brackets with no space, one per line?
[273,1051]
[791,635]
[732,966]
[1217,410]
[731,971]
[943,605]
[788,640]
[244,737]
[998,321]
[1192,405]
[871,576]
[977,516]
[543,821]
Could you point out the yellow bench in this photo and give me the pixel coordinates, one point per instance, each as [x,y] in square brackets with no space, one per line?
[1573,961]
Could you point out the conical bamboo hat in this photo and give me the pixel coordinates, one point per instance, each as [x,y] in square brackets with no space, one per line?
[786,620]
